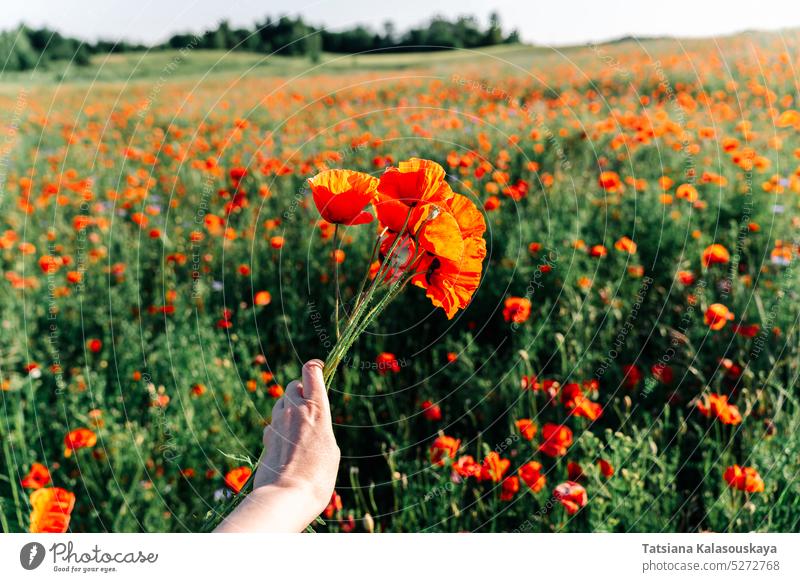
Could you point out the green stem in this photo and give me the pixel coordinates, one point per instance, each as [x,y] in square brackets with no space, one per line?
[336,275]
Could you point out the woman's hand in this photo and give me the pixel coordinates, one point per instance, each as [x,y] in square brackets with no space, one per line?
[297,473]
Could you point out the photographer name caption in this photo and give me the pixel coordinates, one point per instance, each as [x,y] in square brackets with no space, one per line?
[701,554]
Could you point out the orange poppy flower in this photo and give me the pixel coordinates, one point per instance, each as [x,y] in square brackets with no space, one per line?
[80,438]
[342,195]
[717,315]
[237,478]
[717,406]
[606,468]
[37,477]
[609,181]
[527,428]
[494,467]
[556,438]
[509,488]
[450,283]
[744,479]
[715,254]
[466,466]
[531,475]
[412,182]
[517,309]
[263,298]
[444,446]
[598,251]
[334,506]
[51,509]
[687,192]
[625,244]
[571,495]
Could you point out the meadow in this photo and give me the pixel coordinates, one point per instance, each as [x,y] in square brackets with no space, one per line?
[627,363]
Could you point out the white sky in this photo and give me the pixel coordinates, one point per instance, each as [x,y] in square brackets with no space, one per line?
[542,22]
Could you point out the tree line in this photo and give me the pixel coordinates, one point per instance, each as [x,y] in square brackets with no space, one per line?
[26,48]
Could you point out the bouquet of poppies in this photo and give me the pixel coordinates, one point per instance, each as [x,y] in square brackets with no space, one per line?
[428,236]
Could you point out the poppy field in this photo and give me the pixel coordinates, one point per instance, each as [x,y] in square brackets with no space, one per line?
[590,324]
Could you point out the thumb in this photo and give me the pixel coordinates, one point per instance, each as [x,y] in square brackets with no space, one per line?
[314,384]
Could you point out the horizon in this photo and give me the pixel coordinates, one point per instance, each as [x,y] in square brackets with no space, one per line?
[154,23]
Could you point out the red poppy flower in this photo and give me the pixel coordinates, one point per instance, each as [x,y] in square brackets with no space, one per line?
[51,509]
[386,363]
[494,467]
[431,411]
[744,479]
[79,438]
[509,488]
[263,298]
[443,446]
[517,310]
[334,506]
[466,466]
[717,406]
[450,281]
[527,428]
[715,254]
[342,195]
[632,375]
[556,438]
[237,478]
[531,475]
[717,315]
[606,468]
[37,477]
[571,495]
[626,245]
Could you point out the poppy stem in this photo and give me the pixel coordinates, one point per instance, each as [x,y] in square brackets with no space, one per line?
[336,276]
[358,322]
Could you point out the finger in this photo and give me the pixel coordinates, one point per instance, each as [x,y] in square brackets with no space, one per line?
[294,393]
[313,383]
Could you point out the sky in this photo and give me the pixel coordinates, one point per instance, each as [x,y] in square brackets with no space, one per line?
[541,22]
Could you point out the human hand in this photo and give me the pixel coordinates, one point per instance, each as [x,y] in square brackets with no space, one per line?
[297,472]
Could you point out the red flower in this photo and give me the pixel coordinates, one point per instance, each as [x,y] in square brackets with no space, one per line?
[509,488]
[744,479]
[527,428]
[517,310]
[94,345]
[37,477]
[606,468]
[342,195]
[431,411]
[598,251]
[387,362]
[263,298]
[717,315]
[334,506]
[444,446]
[51,509]
[632,375]
[556,438]
[79,438]
[494,467]
[466,466]
[531,475]
[574,471]
[236,478]
[715,254]
[451,269]
[717,406]
[571,495]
